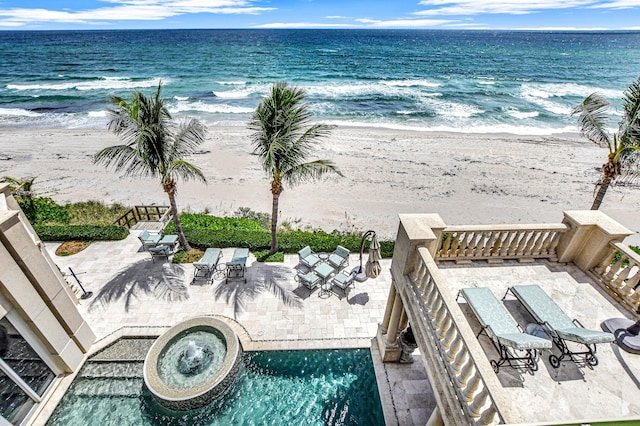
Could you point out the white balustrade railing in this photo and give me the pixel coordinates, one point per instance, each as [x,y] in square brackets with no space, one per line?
[435,314]
[500,242]
[619,271]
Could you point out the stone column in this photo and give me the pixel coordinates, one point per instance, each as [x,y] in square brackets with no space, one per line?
[387,313]
[587,239]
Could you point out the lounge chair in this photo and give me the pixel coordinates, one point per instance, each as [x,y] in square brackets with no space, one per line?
[309,279]
[207,264]
[159,252]
[236,267]
[502,330]
[308,258]
[558,325]
[148,239]
[344,281]
[339,258]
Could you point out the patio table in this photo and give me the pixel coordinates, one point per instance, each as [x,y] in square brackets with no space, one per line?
[170,241]
[324,270]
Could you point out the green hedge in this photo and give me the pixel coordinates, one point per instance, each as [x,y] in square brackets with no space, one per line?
[80,232]
[288,241]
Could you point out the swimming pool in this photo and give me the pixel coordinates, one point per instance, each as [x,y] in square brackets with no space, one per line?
[320,387]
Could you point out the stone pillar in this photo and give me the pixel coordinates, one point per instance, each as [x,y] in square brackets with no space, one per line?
[387,313]
[587,239]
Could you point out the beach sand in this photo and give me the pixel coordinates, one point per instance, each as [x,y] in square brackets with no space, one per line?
[466,178]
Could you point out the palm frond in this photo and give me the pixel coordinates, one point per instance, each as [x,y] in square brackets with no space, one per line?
[309,171]
[592,119]
[185,170]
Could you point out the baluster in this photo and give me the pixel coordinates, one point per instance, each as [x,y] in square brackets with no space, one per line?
[464,244]
[496,244]
[456,242]
[554,243]
[449,339]
[440,316]
[614,269]
[472,387]
[477,405]
[515,242]
[455,350]
[504,250]
[465,375]
[528,249]
[488,416]
[446,244]
[444,330]
[524,242]
[427,284]
[537,248]
[477,244]
[602,268]
[618,282]
[459,362]
[435,310]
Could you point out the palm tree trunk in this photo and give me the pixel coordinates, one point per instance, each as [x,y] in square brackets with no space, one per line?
[601,191]
[176,220]
[274,222]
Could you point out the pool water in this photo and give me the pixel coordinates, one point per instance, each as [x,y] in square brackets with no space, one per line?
[321,387]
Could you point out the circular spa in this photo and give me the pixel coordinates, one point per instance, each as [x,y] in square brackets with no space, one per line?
[192,363]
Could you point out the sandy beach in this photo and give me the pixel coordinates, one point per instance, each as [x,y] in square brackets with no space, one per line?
[466,178]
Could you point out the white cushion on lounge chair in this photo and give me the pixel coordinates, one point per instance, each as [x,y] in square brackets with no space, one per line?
[308,258]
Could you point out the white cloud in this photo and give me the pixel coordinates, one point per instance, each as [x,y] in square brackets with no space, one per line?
[403,23]
[619,4]
[129,10]
[511,7]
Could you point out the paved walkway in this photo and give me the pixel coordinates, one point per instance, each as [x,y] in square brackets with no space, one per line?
[134,295]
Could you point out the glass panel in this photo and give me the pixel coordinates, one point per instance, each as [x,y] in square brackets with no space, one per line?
[14,403]
[21,357]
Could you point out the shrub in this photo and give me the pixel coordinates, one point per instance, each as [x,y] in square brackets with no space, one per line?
[80,232]
[263,256]
[94,212]
[45,211]
[213,223]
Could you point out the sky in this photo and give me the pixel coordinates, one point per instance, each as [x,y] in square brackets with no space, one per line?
[409,14]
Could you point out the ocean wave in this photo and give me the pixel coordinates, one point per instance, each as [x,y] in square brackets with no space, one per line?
[232,83]
[103,83]
[234,94]
[410,83]
[521,114]
[201,107]
[451,109]
[18,112]
[554,90]
[473,129]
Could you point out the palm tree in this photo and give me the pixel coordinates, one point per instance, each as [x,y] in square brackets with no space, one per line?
[283,139]
[624,146]
[153,146]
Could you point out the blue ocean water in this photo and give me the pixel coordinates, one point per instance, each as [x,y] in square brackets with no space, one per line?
[463,81]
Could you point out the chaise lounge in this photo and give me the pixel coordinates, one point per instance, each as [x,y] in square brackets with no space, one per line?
[503,331]
[148,239]
[207,264]
[236,267]
[558,325]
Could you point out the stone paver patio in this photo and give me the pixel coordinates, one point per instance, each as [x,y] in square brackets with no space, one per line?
[132,295]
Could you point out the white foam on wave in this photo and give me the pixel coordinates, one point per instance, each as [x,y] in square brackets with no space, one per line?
[451,109]
[379,89]
[18,112]
[234,94]
[521,114]
[481,129]
[103,83]
[410,83]
[181,98]
[202,107]
[97,114]
[232,83]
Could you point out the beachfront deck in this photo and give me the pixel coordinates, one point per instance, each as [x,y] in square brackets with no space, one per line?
[134,296]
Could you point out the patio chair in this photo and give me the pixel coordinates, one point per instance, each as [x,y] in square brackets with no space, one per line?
[503,331]
[344,281]
[559,326]
[309,279]
[159,252]
[308,258]
[236,267]
[148,239]
[339,258]
[207,264]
